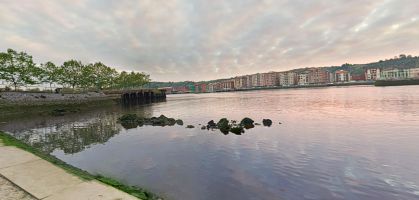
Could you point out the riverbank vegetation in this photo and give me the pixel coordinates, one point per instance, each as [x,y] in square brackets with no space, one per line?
[140,193]
[19,70]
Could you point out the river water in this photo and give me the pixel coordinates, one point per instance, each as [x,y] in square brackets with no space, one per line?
[358,142]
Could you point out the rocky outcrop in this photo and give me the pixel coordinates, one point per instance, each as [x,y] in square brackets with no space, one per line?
[132,121]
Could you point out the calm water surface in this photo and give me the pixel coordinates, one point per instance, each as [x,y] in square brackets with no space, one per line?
[333,143]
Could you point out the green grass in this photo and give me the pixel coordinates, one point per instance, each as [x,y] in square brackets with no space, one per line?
[9,140]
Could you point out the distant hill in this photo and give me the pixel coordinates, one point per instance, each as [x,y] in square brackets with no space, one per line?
[402,62]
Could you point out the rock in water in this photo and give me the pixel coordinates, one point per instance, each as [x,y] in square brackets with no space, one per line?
[190,126]
[223,125]
[171,121]
[267,122]
[179,122]
[129,121]
[247,123]
[238,130]
[128,118]
[203,127]
[211,124]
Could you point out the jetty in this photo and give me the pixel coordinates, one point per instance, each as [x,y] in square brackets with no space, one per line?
[142,96]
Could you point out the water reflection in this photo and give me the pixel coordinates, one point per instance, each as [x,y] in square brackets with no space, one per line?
[333,143]
[72,137]
[71,133]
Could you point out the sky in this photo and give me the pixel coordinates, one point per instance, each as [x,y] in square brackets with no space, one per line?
[177,40]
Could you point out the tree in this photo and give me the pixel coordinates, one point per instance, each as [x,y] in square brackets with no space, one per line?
[132,80]
[50,73]
[100,76]
[18,69]
[71,73]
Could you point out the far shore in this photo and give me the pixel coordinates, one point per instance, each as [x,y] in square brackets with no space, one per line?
[285,87]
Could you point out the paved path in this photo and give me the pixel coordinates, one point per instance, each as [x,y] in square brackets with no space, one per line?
[44,180]
[9,191]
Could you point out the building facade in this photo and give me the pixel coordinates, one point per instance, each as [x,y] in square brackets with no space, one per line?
[303,78]
[317,76]
[287,79]
[414,73]
[342,76]
[372,74]
[395,74]
[270,79]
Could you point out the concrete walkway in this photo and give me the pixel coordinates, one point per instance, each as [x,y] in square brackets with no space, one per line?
[44,180]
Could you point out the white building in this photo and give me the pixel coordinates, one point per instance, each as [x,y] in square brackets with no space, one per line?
[395,74]
[303,79]
[372,74]
[414,73]
[287,78]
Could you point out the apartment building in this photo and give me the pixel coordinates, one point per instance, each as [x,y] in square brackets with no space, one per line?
[342,76]
[317,76]
[372,74]
[303,78]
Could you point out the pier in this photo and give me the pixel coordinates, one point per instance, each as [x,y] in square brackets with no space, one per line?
[143,96]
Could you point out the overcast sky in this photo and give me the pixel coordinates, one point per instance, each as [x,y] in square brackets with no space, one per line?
[209,39]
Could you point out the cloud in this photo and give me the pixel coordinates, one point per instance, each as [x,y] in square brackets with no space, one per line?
[202,40]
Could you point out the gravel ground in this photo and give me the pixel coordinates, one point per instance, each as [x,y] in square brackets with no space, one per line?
[8,191]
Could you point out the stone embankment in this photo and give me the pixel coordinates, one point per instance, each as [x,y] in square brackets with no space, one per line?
[39,97]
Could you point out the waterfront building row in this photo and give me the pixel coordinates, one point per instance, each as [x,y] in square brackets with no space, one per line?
[311,76]
[399,74]
[294,78]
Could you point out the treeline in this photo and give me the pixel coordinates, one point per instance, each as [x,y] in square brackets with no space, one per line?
[19,69]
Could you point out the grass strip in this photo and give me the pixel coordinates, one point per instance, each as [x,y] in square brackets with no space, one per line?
[140,193]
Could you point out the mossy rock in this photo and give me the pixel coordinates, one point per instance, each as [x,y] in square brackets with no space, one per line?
[247,123]
[211,124]
[128,118]
[238,130]
[179,122]
[223,125]
[267,122]
[171,121]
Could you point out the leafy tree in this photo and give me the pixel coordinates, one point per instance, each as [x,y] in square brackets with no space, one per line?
[50,73]
[71,73]
[18,68]
[100,76]
[132,80]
